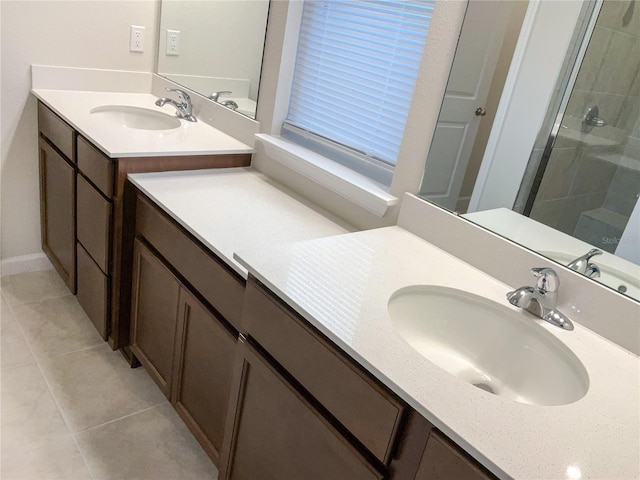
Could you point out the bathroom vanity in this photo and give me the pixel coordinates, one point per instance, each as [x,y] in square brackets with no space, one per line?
[318,376]
[82,192]
[238,364]
[266,321]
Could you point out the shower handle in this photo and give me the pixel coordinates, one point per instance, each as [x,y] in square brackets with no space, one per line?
[591,119]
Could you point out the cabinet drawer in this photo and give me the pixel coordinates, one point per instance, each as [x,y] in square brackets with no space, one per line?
[93,291]
[206,274]
[56,130]
[96,166]
[370,412]
[94,223]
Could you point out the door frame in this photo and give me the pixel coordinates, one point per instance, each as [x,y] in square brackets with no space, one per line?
[537,62]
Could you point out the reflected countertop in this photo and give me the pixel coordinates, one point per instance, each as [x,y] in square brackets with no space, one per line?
[191,138]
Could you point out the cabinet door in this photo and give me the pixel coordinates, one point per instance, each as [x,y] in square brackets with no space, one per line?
[205,353]
[57,212]
[273,433]
[443,460]
[154,312]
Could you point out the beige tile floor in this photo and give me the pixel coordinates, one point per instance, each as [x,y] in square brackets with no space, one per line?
[72,409]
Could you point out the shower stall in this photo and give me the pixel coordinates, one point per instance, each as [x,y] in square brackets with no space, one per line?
[583,177]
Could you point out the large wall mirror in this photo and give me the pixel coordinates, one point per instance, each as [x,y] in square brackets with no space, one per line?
[538,137]
[214,47]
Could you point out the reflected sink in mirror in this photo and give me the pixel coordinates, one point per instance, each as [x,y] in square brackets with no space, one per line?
[488,345]
[136,117]
[623,282]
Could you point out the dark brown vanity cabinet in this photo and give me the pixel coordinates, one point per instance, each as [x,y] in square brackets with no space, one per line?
[183,341]
[303,408]
[154,316]
[205,350]
[83,218]
[94,225]
[425,453]
[57,205]
[276,433]
[266,394]
[443,460]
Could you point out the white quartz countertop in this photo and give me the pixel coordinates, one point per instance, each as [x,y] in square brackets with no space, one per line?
[191,138]
[342,284]
[236,208]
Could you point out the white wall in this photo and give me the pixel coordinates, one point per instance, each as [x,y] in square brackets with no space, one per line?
[222,38]
[81,33]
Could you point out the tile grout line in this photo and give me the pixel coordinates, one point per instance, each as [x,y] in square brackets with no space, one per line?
[53,397]
[65,354]
[49,389]
[46,381]
[26,340]
[120,418]
[65,420]
[37,358]
[24,304]
[41,362]
[44,376]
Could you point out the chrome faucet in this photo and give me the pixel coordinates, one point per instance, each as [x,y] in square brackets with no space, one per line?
[215,95]
[584,266]
[541,300]
[184,109]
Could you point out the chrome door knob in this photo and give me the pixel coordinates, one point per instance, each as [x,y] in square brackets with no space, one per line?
[480,112]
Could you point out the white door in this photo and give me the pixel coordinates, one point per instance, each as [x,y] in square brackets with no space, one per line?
[471,74]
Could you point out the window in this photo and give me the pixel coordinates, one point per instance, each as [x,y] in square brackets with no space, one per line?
[356,69]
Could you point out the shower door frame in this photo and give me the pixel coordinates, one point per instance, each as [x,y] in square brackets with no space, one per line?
[565,84]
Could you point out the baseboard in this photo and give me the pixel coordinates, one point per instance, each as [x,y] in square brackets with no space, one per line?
[24,263]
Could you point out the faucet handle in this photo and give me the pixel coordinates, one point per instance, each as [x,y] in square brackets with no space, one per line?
[548,281]
[184,96]
[593,252]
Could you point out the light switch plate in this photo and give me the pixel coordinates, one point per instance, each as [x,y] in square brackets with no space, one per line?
[173,42]
[136,39]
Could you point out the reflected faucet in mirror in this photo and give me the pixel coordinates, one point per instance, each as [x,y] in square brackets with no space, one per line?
[202,69]
[584,265]
[230,104]
[216,95]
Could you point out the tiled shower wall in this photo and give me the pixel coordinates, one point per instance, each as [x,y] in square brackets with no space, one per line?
[592,180]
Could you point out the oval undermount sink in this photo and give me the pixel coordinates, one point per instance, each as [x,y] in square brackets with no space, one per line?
[136,117]
[488,345]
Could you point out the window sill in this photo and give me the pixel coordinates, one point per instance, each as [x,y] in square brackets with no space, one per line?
[355,187]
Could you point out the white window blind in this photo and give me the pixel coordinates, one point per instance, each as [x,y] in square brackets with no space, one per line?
[356,70]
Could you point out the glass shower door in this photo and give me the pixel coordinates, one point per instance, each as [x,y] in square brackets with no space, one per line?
[588,181]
